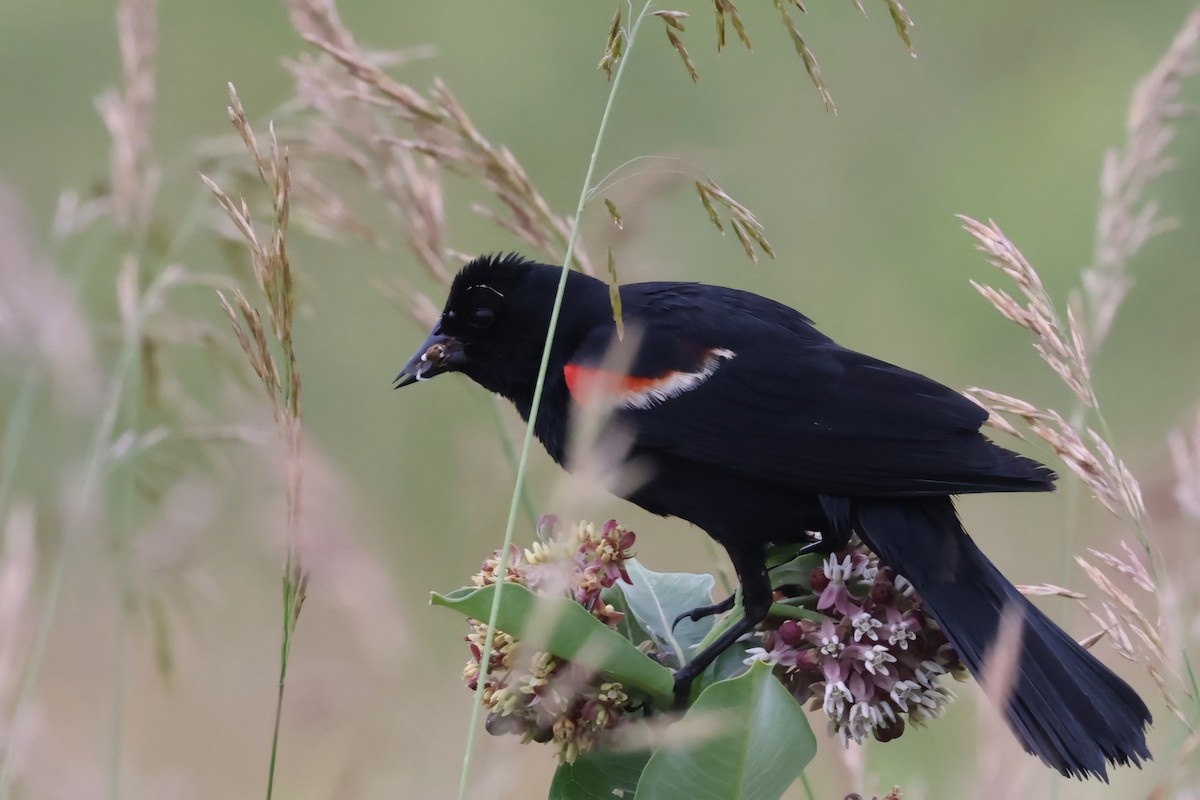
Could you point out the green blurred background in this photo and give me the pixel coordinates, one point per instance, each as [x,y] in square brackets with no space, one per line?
[1006,114]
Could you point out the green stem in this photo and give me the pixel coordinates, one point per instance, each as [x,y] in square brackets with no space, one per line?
[125,591]
[97,456]
[808,790]
[290,590]
[501,569]
[10,449]
[510,454]
[117,708]
[14,432]
[1191,672]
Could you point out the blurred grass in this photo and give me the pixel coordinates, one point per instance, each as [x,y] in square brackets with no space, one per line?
[1005,113]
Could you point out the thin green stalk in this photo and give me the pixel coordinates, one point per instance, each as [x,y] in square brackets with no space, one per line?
[101,443]
[510,454]
[120,556]
[486,656]
[117,706]
[120,543]
[98,454]
[18,425]
[124,578]
[1191,672]
[10,451]
[808,790]
[290,594]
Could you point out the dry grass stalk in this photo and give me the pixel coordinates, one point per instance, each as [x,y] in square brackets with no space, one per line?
[1125,222]
[1048,590]
[116,479]
[1134,635]
[274,361]
[1085,453]
[1126,219]
[746,226]
[129,114]
[614,294]
[673,21]
[1060,346]
[132,199]
[401,140]
[725,8]
[614,214]
[903,23]
[1131,567]
[806,55]
[614,46]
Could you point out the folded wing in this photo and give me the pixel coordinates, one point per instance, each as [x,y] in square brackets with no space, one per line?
[785,404]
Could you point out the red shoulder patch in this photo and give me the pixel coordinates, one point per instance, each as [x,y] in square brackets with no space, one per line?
[591,384]
[583,382]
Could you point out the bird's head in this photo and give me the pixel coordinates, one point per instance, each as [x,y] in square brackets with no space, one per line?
[494,325]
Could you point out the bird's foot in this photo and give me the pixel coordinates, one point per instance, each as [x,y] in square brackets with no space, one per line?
[700,612]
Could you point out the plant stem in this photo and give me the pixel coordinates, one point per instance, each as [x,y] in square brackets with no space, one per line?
[117,706]
[808,790]
[501,569]
[124,579]
[290,590]
[98,454]
[510,454]
[18,425]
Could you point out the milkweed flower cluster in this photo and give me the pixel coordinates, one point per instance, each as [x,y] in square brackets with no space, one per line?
[863,651]
[536,695]
[874,661]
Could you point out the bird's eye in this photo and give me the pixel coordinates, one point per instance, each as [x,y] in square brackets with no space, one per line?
[482,318]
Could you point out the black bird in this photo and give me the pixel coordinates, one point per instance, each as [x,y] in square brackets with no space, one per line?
[757,428]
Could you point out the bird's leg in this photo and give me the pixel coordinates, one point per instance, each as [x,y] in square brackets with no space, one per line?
[700,612]
[751,565]
[721,606]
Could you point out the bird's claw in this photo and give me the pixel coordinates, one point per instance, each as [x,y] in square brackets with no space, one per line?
[700,612]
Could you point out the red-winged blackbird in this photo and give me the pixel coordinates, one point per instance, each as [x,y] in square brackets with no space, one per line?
[758,429]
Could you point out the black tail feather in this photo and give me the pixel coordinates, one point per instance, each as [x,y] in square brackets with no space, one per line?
[1065,707]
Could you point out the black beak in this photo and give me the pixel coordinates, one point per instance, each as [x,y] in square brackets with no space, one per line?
[439,353]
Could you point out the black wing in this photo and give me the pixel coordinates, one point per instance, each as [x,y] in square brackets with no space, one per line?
[786,404]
